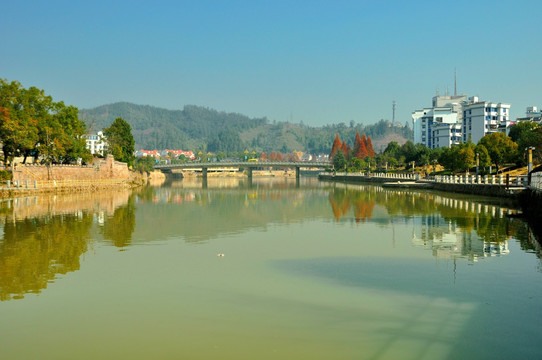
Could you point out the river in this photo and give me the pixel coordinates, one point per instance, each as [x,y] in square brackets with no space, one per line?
[270,269]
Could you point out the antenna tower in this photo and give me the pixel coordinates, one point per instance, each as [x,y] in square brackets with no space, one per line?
[455,82]
[393,107]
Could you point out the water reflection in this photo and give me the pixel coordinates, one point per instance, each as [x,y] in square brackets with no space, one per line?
[42,237]
[450,225]
[45,236]
[34,251]
[119,227]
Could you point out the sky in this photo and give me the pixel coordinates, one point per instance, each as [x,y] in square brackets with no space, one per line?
[315,62]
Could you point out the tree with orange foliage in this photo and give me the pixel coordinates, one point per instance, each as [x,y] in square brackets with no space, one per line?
[336,146]
[357,142]
[370,150]
[346,150]
[362,152]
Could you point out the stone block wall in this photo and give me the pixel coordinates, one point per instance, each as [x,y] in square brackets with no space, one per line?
[101,169]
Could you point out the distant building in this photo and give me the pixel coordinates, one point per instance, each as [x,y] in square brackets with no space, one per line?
[531,114]
[144,153]
[96,143]
[176,153]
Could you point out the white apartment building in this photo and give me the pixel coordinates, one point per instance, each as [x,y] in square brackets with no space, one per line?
[96,144]
[446,135]
[444,115]
[484,117]
[456,119]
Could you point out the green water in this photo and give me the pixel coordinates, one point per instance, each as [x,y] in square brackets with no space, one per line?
[309,271]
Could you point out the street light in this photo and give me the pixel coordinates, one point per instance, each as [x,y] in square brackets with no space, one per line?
[530,159]
[477,163]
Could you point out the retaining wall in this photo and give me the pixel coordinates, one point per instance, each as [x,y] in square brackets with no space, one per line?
[107,168]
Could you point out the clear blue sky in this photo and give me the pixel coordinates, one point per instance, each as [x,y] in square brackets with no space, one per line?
[314,61]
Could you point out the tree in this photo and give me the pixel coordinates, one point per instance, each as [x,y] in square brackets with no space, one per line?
[466,156]
[408,150]
[449,158]
[527,134]
[33,125]
[360,149]
[336,146]
[120,141]
[500,147]
[393,150]
[484,161]
[369,146]
[339,160]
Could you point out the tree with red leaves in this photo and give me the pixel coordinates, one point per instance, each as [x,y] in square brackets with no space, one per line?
[345,149]
[362,152]
[370,149]
[336,146]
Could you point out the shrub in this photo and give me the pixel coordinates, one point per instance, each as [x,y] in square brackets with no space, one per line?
[5,175]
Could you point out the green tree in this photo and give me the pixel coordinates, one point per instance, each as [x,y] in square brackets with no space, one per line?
[144,164]
[33,125]
[484,161]
[466,156]
[500,147]
[449,158]
[339,160]
[527,134]
[120,141]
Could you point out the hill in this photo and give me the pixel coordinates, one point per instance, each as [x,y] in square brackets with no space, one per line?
[200,128]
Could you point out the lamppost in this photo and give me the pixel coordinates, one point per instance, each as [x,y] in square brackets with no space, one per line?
[477,163]
[530,159]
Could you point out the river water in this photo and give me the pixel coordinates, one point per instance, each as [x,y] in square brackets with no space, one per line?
[271,269]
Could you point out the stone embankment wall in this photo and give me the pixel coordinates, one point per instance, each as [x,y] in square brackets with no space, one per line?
[107,168]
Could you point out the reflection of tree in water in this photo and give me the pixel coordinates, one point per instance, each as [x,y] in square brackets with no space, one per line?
[119,227]
[342,200]
[463,213]
[34,250]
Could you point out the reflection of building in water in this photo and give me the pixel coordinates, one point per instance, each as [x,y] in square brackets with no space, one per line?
[495,249]
[473,235]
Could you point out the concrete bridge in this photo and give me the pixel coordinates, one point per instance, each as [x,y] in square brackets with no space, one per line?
[249,165]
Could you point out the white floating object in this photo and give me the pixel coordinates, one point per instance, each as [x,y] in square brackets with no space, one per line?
[220,255]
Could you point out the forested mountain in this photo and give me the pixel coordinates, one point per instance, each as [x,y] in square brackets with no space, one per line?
[200,128]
